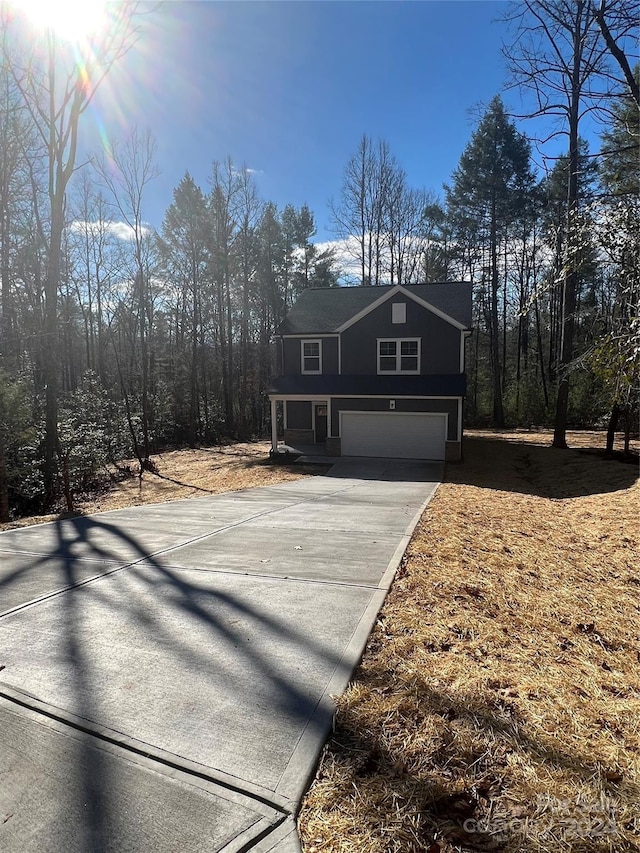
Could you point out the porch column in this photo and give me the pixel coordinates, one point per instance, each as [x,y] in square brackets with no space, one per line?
[274,425]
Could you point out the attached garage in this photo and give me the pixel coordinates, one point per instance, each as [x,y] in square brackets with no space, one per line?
[400,435]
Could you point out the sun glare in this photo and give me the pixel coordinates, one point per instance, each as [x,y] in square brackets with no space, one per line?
[72,20]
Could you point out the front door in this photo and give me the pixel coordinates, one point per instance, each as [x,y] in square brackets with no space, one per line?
[321,423]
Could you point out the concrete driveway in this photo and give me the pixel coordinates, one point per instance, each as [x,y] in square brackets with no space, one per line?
[166,671]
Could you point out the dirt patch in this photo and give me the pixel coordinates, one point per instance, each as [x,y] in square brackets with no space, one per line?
[496,706]
[185,474]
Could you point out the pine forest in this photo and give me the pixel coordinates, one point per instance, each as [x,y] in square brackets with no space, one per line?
[119,340]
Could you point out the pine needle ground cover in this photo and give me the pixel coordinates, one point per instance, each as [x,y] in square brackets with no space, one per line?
[185,474]
[497,706]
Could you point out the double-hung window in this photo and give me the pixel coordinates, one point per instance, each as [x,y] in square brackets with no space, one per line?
[312,356]
[399,355]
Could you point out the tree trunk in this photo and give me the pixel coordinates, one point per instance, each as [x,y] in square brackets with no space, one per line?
[144,358]
[541,355]
[503,376]
[102,370]
[4,486]
[50,354]
[571,244]
[6,308]
[611,428]
[193,378]
[66,483]
[245,425]
[193,390]
[230,413]
[475,375]
[518,365]
[498,411]
[627,430]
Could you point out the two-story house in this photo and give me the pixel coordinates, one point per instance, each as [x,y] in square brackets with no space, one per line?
[375,371]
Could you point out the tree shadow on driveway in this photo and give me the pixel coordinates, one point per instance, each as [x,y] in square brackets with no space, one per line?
[218,668]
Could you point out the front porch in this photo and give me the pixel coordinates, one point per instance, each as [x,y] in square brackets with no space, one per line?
[303,424]
[309,454]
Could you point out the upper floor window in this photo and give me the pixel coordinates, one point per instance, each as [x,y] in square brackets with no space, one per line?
[312,356]
[399,355]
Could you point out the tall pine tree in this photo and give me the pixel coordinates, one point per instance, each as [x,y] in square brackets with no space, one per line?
[485,199]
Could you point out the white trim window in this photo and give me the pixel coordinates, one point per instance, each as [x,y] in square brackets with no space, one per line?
[311,352]
[398,355]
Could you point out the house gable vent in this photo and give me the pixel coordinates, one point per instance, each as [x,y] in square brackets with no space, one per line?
[398,312]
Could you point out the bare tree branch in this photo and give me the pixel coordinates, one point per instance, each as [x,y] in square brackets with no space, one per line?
[600,15]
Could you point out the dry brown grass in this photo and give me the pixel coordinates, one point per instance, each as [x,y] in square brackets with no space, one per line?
[497,706]
[186,474]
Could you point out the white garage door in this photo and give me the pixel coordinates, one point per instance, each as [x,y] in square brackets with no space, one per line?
[400,435]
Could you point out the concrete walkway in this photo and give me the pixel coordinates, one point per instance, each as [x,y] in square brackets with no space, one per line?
[166,671]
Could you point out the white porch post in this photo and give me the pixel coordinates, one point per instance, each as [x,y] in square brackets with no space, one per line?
[274,425]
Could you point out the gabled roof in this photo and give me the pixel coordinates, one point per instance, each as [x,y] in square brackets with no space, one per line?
[324,310]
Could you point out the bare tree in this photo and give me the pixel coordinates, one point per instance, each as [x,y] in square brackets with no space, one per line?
[225,202]
[557,55]
[380,217]
[16,143]
[57,91]
[618,22]
[351,215]
[249,212]
[126,170]
[361,215]
[93,268]
[407,229]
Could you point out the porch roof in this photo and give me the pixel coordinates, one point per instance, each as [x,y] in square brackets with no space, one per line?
[343,385]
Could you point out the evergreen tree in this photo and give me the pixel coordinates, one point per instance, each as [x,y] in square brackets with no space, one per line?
[487,196]
[184,252]
[620,154]
[19,476]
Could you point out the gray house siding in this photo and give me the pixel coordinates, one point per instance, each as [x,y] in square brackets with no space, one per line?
[330,356]
[292,353]
[299,414]
[440,340]
[377,404]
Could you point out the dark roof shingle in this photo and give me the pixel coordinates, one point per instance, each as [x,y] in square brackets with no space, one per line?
[323,310]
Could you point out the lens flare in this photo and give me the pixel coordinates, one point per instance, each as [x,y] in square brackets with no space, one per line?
[71,20]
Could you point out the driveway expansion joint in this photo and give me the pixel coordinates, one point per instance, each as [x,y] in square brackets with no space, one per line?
[61,589]
[160,758]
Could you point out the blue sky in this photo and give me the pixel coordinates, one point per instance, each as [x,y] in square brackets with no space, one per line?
[288,89]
